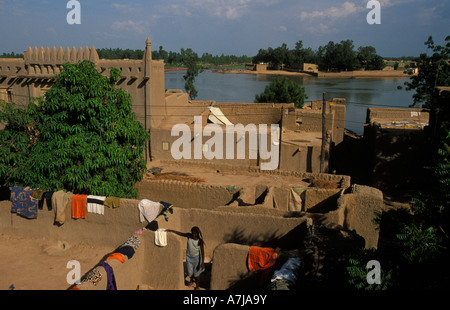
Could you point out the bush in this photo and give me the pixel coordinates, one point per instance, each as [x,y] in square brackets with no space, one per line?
[283,90]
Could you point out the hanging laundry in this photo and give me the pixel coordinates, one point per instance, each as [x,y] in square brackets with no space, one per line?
[94,204]
[161,237]
[48,199]
[289,270]
[133,241]
[111,286]
[148,210]
[60,201]
[295,201]
[79,206]
[260,258]
[112,202]
[94,276]
[37,195]
[127,250]
[16,197]
[118,256]
[22,202]
[166,208]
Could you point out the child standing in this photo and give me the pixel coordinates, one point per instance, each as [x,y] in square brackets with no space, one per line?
[195,254]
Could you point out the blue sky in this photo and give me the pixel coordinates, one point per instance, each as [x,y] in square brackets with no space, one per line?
[223,26]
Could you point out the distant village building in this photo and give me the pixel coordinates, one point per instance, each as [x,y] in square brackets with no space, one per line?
[256,67]
[308,67]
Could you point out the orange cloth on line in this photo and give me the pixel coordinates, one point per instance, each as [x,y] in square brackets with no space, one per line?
[261,258]
[117,256]
[79,206]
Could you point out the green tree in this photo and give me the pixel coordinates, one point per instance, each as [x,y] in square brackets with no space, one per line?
[368,58]
[193,69]
[337,56]
[88,138]
[301,55]
[283,90]
[434,70]
[16,140]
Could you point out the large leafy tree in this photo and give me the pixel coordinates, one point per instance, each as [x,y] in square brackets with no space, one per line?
[434,70]
[368,58]
[88,140]
[283,90]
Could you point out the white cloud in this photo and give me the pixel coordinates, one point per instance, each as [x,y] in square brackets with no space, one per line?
[178,10]
[223,9]
[389,3]
[320,29]
[130,25]
[124,8]
[228,9]
[345,10]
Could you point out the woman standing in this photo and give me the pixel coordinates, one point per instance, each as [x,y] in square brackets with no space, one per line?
[195,254]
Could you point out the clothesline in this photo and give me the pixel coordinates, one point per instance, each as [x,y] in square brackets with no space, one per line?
[26,202]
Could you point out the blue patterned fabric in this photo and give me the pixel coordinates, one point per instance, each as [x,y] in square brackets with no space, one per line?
[22,203]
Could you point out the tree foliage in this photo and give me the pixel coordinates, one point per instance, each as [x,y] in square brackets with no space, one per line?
[82,136]
[333,56]
[434,70]
[172,57]
[368,58]
[11,55]
[283,90]
[193,69]
[16,140]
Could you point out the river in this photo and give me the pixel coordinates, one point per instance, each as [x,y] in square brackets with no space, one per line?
[360,93]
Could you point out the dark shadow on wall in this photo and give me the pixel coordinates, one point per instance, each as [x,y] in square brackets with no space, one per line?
[326,205]
[291,242]
[324,257]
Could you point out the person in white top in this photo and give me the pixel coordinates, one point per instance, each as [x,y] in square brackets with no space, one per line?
[195,254]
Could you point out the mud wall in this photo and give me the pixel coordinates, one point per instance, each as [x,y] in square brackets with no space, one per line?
[396,156]
[249,113]
[151,267]
[225,275]
[188,195]
[356,211]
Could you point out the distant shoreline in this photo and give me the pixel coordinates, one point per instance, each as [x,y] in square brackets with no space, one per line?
[174,69]
[348,74]
[320,74]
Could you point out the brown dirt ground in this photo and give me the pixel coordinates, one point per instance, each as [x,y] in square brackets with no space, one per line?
[208,175]
[39,264]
